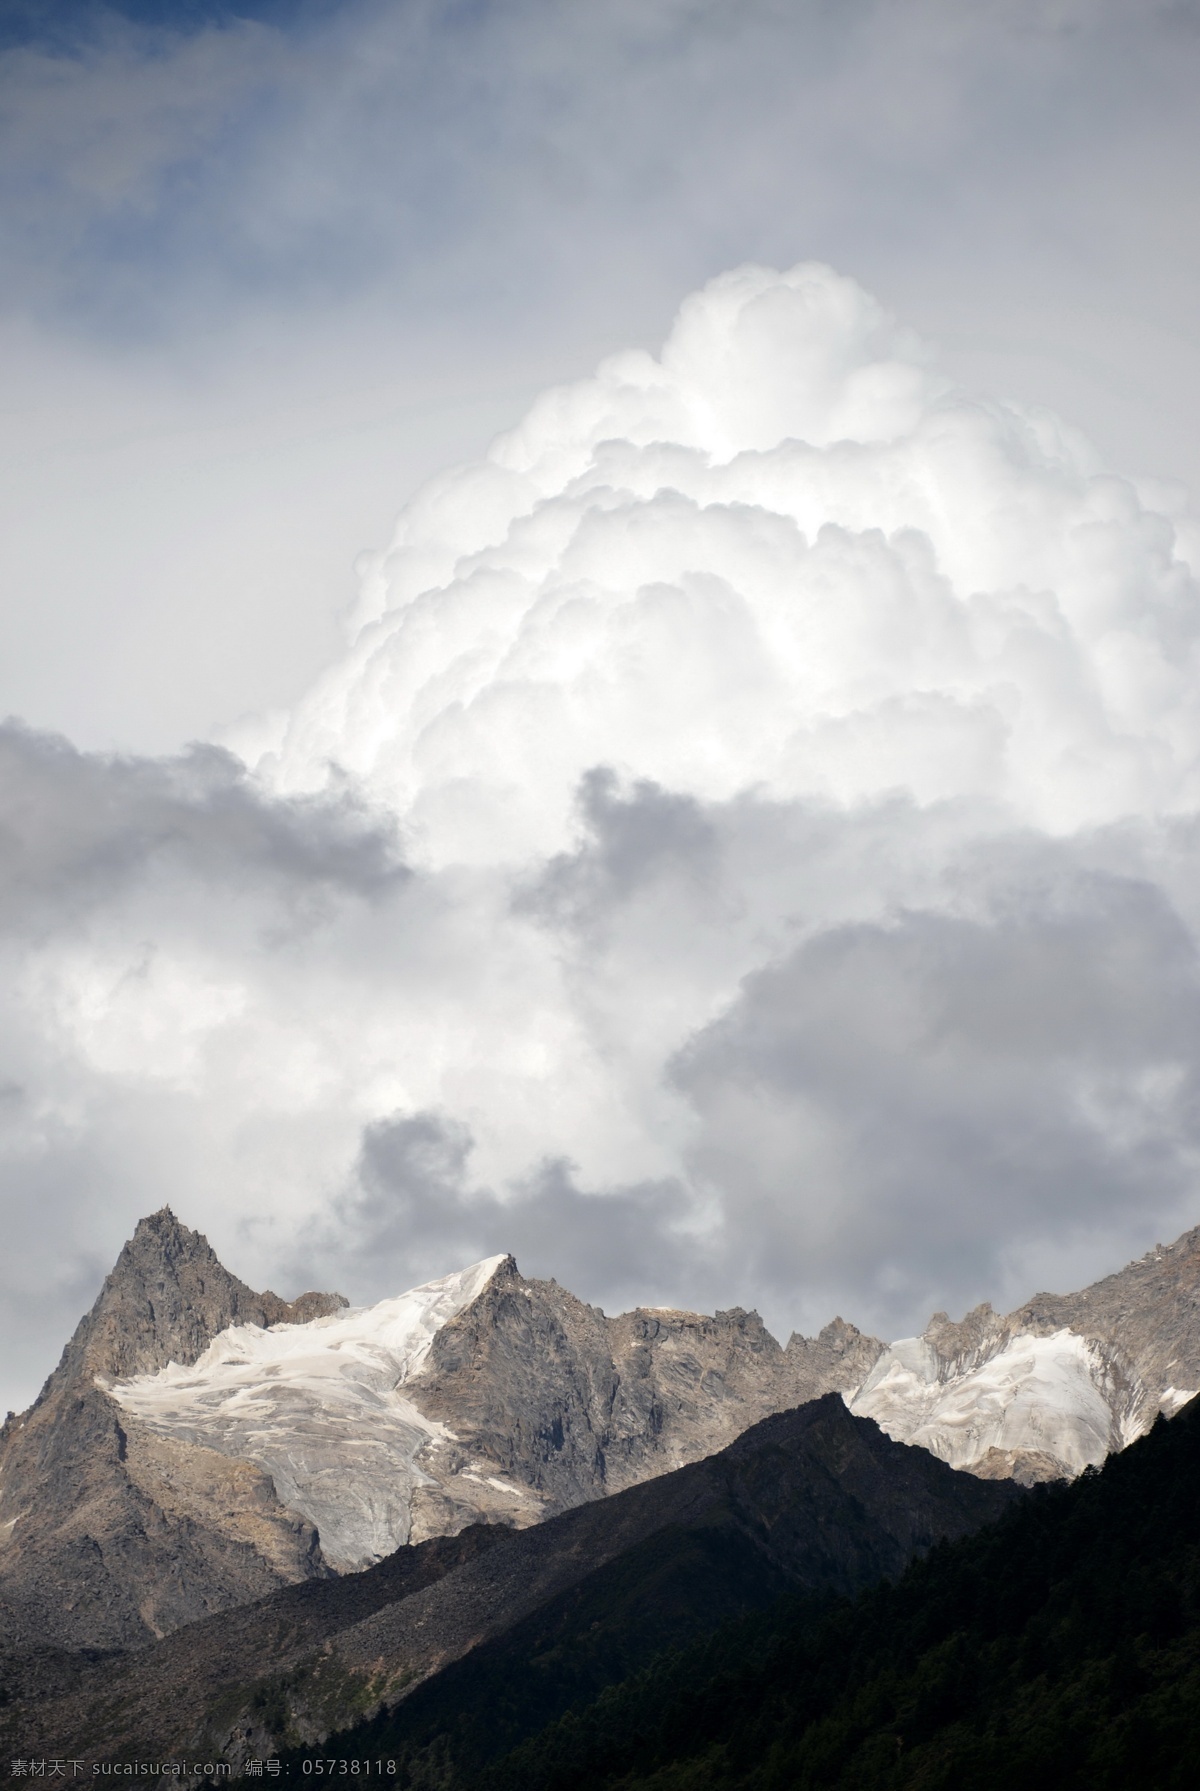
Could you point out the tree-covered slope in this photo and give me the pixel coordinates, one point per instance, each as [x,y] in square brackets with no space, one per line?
[1059,1649]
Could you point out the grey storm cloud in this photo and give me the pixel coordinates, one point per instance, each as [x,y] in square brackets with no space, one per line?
[78,827]
[931,1094]
[415,1205]
[632,839]
[961,1039]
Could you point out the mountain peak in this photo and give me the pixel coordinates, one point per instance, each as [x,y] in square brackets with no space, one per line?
[162,1223]
[167,1296]
[111,1535]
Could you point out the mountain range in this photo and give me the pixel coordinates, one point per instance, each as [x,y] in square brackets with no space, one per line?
[811,1500]
[200,1445]
[233,1524]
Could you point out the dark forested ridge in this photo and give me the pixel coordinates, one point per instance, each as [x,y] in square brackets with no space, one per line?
[1058,1650]
[813,1502]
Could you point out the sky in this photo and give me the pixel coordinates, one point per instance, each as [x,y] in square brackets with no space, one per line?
[598,609]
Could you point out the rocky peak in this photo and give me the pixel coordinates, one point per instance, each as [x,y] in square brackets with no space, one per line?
[165,1300]
[1148,1312]
[840,1338]
[109,1536]
[964,1345]
[838,1359]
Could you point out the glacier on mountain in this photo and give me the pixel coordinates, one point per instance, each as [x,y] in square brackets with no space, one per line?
[1056,1403]
[320,1407]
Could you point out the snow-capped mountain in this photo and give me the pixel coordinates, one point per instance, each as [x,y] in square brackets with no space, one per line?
[201,1445]
[481,1395]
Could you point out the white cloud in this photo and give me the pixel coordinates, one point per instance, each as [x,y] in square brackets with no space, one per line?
[783,557]
[759,865]
[262,278]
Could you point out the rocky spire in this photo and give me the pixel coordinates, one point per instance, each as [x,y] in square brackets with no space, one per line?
[165,1300]
[110,1536]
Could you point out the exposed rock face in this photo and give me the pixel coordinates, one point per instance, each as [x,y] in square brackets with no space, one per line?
[108,1537]
[541,1388]
[1058,1384]
[166,1299]
[809,1499]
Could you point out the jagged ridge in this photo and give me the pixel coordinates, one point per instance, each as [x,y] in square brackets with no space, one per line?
[192,1440]
[179,1461]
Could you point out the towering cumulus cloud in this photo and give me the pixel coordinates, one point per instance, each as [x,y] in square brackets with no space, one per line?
[783,558]
[746,852]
